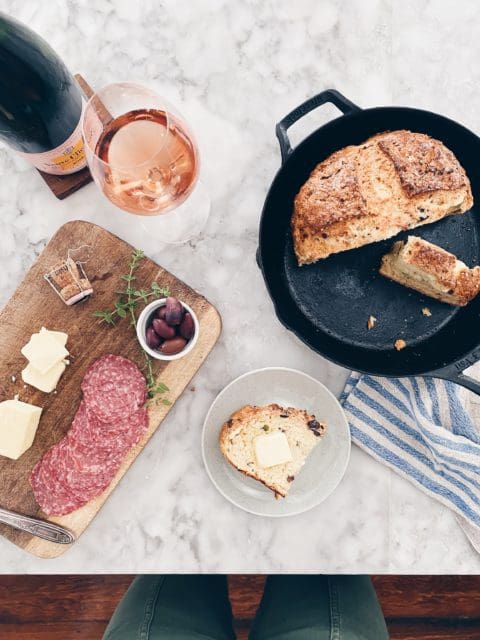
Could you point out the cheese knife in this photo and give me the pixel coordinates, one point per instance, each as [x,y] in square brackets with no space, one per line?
[36,527]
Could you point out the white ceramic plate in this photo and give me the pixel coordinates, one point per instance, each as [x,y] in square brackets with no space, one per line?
[324,467]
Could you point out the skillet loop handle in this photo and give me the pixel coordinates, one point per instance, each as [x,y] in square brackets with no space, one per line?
[330,95]
[455,372]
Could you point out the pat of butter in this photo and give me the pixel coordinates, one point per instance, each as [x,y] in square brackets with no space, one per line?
[18,426]
[58,335]
[46,382]
[272,449]
[43,351]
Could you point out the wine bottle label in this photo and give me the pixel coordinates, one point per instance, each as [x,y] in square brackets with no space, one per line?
[67,158]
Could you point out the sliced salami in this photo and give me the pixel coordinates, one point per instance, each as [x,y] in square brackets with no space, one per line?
[110,420]
[52,495]
[114,388]
[87,479]
[96,438]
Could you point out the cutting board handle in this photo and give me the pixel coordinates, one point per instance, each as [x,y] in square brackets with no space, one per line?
[329,95]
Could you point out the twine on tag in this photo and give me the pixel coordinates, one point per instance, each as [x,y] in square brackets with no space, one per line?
[77,260]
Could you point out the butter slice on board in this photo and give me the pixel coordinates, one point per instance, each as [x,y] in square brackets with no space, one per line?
[43,351]
[272,449]
[46,382]
[58,335]
[18,426]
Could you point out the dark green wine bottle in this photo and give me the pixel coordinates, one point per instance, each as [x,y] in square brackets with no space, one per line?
[40,101]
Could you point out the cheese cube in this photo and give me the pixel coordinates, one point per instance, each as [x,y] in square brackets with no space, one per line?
[46,382]
[272,449]
[43,351]
[59,335]
[18,426]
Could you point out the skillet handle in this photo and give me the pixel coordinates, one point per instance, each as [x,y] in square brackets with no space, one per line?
[330,95]
[455,372]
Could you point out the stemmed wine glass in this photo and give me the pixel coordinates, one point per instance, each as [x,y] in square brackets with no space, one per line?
[144,158]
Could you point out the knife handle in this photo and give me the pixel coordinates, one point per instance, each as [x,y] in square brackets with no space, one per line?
[36,527]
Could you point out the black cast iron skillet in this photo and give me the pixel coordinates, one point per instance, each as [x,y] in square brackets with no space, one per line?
[327,304]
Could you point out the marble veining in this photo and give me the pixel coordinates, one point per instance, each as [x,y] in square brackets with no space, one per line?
[234,69]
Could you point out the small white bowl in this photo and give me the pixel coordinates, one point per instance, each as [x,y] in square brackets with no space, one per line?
[142,329]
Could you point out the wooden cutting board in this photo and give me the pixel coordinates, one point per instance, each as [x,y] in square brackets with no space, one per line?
[34,305]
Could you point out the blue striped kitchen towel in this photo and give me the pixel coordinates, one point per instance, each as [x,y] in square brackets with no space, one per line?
[419,427]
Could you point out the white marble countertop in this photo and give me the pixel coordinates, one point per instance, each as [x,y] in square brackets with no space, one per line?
[235,69]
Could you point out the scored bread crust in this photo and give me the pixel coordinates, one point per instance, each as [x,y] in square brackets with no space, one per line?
[361,194]
[303,432]
[431,270]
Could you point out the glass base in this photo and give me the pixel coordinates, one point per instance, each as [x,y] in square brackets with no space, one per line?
[183,223]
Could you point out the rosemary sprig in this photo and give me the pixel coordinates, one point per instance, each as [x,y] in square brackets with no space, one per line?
[129,297]
[154,388]
[127,302]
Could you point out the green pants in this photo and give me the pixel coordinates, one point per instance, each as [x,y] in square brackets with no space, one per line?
[292,608]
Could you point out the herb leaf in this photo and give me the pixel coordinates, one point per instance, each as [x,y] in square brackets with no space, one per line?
[126,304]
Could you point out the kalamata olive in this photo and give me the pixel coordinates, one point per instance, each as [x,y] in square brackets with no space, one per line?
[187,328]
[153,340]
[173,346]
[160,312]
[162,329]
[174,311]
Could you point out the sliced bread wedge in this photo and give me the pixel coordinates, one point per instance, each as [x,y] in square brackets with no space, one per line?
[431,270]
[239,442]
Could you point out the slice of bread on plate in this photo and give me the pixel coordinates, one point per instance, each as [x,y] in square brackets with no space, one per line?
[431,270]
[254,437]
